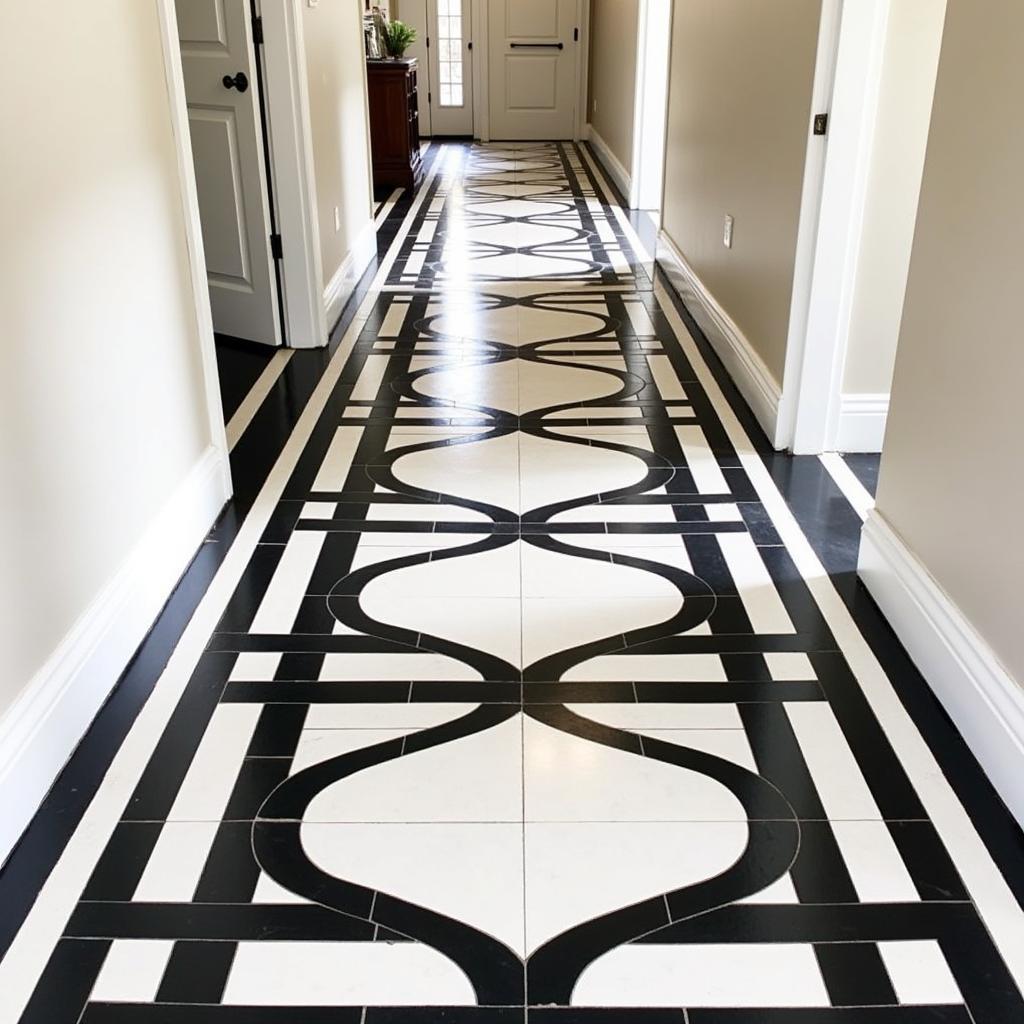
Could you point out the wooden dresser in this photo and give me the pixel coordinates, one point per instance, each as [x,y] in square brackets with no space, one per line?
[394,122]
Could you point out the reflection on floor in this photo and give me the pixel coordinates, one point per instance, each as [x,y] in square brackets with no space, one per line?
[520,696]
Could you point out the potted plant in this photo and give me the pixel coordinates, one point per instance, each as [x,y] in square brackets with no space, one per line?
[398,37]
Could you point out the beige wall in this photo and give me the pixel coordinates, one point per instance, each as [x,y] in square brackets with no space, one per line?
[102,402]
[613,41]
[337,105]
[739,115]
[913,40]
[952,478]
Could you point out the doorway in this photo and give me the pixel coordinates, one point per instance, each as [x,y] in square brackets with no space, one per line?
[444,49]
[221,64]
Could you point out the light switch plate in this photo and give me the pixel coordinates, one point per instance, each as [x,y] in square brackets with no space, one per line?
[727,236]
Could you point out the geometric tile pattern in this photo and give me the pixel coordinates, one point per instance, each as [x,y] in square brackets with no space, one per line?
[521,709]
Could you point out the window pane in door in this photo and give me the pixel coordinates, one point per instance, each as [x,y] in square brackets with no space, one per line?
[449,51]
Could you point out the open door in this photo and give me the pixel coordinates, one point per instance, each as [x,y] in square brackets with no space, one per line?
[222,94]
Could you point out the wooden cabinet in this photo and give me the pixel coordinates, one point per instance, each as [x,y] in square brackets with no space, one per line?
[394,122]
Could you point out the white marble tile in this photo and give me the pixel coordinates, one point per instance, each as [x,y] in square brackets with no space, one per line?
[555,624]
[318,745]
[370,379]
[654,668]
[453,871]
[728,744]
[211,776]
[919,973]
[756,588]
[389,667]
[662,716]
[707,474]
[553,574]
[556,471]
[789,665]
[485,471]
[383,716]
[571,779]
[337,462]
[839,781]
[132,971]
[288,585]
[875,865]
[488,624]
[707,975]
[176,863]
[344,974]
[474,778]
[493,573]
[255,666]
[576,872]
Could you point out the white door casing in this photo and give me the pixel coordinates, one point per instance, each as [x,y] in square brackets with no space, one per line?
[227,148]
[533,73]
[414,14]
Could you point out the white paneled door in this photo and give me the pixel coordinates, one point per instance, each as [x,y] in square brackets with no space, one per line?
[532,76]
[221,89]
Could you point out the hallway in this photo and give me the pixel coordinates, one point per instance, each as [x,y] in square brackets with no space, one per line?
[520,690]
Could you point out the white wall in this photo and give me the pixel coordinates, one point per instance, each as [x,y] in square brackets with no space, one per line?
[336,72]
[105,419]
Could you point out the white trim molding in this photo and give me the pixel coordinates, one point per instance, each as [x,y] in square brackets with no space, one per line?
[612,165]
[985,703]
[861,426]
[744,365]
[291,153]
[41,730]
[815,383]
[340,287]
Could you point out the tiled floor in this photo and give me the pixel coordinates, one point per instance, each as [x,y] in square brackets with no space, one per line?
[520,696]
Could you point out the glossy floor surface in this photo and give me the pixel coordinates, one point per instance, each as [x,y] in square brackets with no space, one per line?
[520,696]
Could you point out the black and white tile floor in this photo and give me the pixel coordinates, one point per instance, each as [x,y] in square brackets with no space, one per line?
[520,696]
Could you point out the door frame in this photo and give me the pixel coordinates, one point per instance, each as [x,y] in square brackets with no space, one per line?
[831,225]
[650,125]
[481,70]
[291,174]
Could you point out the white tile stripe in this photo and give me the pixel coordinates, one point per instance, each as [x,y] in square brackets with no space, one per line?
[389,204]
[246,412]
[846,480]
[21,968]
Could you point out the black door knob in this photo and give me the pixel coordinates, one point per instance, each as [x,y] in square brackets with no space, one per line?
[239,82]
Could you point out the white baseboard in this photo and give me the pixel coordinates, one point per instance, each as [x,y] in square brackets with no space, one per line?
[39,732]
[610,162]
[862,423]
[981,697]
[340,287]
[745,366]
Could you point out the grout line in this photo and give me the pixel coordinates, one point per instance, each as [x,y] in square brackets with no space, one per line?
[846,480]
[246,412]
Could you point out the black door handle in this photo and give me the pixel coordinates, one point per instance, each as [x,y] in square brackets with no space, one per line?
[542,46]
[239,82]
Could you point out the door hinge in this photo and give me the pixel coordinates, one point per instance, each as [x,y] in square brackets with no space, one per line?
[276,248]
[821,124]
[575,35]
[430,99]
[469,45]
[257,30]
[428,42]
